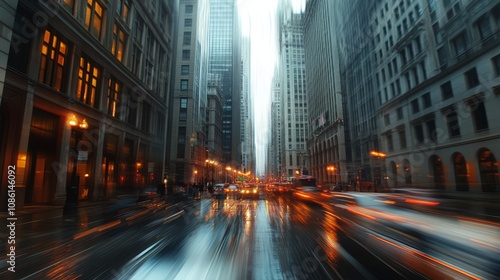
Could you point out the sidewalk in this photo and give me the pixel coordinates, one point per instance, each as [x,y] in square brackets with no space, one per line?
[119,201]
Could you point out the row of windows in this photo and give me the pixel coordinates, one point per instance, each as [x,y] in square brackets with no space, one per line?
[54,73]
[426,129]
[398,12]
[484,30]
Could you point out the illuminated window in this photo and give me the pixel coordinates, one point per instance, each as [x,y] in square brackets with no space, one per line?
[94,18]
[119,42]
[114,90]
[69,5]
[88,80]
[52,60]
[123,8]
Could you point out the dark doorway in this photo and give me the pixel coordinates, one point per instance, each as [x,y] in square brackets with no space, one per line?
[42,151]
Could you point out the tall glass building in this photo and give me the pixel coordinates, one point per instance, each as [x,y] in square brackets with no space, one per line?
[224,65]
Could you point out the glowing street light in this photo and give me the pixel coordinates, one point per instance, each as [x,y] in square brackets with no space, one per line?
[72,191]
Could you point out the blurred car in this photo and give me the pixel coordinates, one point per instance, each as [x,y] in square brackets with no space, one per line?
[278,188]
[334,188]
[231,190]
[436,240]
[312,194]
[416,199]
[219,190]
[249,191]
[147,194]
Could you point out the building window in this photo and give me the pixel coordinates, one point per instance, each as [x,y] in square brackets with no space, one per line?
[390,144]
[69,5]
[471,78]
[137,46]
[188,9]
[186,40]
[446,90]
[184,84]
[122,10]
[183,109]
[88,82]
[185,70]
[52,61]
[460,44]
[186,54]
[119,43]
[424,72]
[146,116]
[149,55]
[94,18]
[431,129]
[484,27]
[114,92]
[496,64]
[426,100]
[478,112]
[414,106]
[419,133]
[188,22]
[402,54]
[399,113]
[181,142]
[453,124]
[402,139]
[387,119]
[136,59]
[132,104]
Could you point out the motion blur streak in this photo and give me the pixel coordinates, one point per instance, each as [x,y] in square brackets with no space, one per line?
[137,215]
[97,229]
[362,214]
[422,202]
[429,258]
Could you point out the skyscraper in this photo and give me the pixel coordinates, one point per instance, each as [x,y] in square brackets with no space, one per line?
[188,102]
[225,64]
[247,135]
[295,130]
[326,146]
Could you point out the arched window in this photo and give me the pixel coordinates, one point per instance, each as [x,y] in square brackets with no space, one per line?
[437,171]
[488,169]
[460,167]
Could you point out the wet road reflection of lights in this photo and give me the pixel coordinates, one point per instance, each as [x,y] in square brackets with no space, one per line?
[276,237]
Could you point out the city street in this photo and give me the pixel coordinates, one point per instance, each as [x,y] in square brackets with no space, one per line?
[273,237]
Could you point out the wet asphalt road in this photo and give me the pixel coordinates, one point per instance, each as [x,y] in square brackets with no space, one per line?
[273,237]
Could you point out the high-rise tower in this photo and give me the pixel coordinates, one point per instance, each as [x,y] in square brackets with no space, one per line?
[224,64]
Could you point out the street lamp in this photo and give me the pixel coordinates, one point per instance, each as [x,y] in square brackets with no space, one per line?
[330,169]
[77,129]
[379,156]
[228,172]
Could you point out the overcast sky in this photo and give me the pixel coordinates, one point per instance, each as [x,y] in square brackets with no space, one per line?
[258,21]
